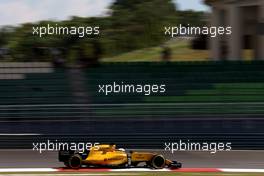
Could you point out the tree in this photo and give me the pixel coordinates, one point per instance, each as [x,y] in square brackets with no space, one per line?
[140,24]
[192,18]
[5,35]
[130,25]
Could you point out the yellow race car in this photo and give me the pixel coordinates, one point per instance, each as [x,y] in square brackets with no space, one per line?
[109,156]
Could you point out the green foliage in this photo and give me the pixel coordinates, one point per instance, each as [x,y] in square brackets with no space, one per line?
[130,25]
[191,18]
[5,35]
[140,24]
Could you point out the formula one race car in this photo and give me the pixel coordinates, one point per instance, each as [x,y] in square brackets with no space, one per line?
[109,156]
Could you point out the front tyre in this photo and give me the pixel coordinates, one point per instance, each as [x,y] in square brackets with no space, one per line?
[75,161]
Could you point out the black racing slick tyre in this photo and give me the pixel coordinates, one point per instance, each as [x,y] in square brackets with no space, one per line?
[75,162]
[158,162]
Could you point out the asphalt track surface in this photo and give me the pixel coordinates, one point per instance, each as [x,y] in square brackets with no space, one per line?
[232,159]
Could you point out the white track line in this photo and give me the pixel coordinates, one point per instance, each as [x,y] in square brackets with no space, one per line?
[243,170]
[27,170]
[56,171]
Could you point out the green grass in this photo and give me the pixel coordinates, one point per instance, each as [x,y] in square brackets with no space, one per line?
[198,174]
[212,109]
[201,174]
[181,51]
[206,98]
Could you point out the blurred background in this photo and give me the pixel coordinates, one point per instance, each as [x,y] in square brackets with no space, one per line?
[49,85]
[130,31]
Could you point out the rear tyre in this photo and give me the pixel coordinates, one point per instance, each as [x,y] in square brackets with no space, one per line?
[75,161]
[158,162]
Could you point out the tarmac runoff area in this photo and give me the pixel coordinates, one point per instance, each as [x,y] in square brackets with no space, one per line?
[31,162]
